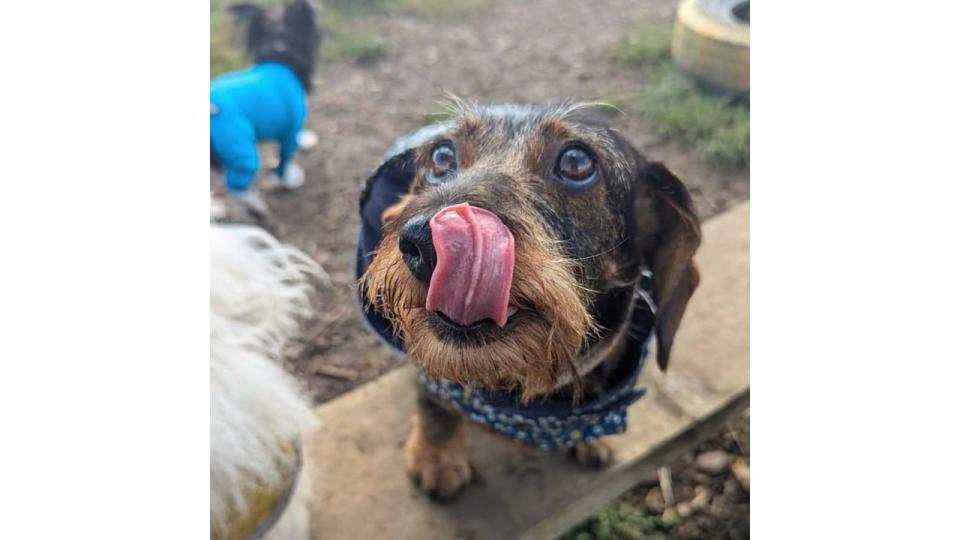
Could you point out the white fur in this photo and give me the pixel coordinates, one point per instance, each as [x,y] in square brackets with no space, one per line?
[218,208]
[259,290]
[251,200]
[307,139]
[293,177]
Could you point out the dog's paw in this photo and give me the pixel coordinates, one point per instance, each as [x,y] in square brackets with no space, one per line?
[293,177]
[440,471]
[595,454]
[307,139]
[250,202]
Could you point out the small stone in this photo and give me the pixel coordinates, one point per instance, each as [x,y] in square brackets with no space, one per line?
[741,471]
[731,487]
[702,498]
[714,462]
[654,501]
[684,509]
[702,479]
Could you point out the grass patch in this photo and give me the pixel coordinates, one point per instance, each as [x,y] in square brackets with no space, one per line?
[439,9]
[715,127]
[619,521]
[648,45]
[352,28]
[226,52]
[443,9]
[348,35]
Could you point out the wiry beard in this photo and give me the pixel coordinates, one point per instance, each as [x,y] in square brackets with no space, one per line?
[548,332]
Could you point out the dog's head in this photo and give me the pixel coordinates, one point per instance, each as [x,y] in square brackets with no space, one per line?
[293,40]
[520,242]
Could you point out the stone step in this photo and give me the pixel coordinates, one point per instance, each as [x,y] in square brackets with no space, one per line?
[363,492]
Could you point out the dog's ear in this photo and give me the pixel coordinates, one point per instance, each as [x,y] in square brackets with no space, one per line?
[245,11]
[251,20]
[300,24]
[675,276]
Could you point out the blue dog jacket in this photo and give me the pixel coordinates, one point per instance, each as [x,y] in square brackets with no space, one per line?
[542,423]
[263,103]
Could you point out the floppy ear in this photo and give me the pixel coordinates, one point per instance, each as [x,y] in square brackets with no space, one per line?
[675,276]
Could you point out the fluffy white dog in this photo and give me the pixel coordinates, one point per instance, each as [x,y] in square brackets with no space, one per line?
[259,421]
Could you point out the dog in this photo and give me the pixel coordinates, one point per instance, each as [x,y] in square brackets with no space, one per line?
[266,102]
[259,420]
[522,257]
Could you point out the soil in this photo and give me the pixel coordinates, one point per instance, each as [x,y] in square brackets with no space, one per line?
[529,51]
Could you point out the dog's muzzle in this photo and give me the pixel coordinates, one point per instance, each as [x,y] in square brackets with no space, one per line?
[466,254]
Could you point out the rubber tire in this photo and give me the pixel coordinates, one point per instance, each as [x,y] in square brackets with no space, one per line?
[712,45]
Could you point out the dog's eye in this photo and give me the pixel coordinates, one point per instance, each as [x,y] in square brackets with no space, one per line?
[576,165]
[444,163]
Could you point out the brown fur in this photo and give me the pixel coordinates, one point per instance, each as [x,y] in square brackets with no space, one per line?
[553,321]
[435,452]
[595,454]
[578,255]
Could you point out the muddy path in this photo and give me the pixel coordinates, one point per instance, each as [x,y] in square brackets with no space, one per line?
[530,51]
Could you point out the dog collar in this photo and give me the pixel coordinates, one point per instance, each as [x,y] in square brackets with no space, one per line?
[549,424]
[542,423]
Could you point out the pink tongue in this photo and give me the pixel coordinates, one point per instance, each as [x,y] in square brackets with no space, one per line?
[471,281]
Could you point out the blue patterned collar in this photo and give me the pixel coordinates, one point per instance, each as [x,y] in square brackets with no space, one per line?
[549,424]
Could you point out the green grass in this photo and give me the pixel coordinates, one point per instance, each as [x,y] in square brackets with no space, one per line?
[715,127]
[646,45]
[619,521]
[349,35]
[352,28]
[442,9]
[437,9]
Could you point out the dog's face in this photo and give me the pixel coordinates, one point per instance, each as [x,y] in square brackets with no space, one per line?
[520,242]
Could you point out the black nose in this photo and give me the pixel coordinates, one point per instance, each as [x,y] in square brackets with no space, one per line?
[416,246]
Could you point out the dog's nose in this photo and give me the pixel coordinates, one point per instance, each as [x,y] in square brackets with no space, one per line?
[416,246]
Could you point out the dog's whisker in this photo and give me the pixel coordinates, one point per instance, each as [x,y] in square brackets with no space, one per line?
[602,253]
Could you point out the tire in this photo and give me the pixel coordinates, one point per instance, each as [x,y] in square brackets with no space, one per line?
[711,41]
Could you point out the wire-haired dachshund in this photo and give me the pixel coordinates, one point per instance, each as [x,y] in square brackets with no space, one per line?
[522,257]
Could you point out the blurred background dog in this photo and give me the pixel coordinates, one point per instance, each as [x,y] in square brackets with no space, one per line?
[259,421]
[266,102]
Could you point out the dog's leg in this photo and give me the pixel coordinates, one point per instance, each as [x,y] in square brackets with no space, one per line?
[594,454]
[289,174]
[436,453]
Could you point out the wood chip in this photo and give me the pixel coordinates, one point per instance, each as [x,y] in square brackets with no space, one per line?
[702,498]
[337,372]
[666,486]
[741,471]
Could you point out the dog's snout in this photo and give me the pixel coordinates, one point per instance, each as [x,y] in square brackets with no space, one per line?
[416,246]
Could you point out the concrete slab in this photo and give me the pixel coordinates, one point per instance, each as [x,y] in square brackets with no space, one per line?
[363,491]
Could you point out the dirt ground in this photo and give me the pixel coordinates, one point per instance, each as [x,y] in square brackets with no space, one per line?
[529,51]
